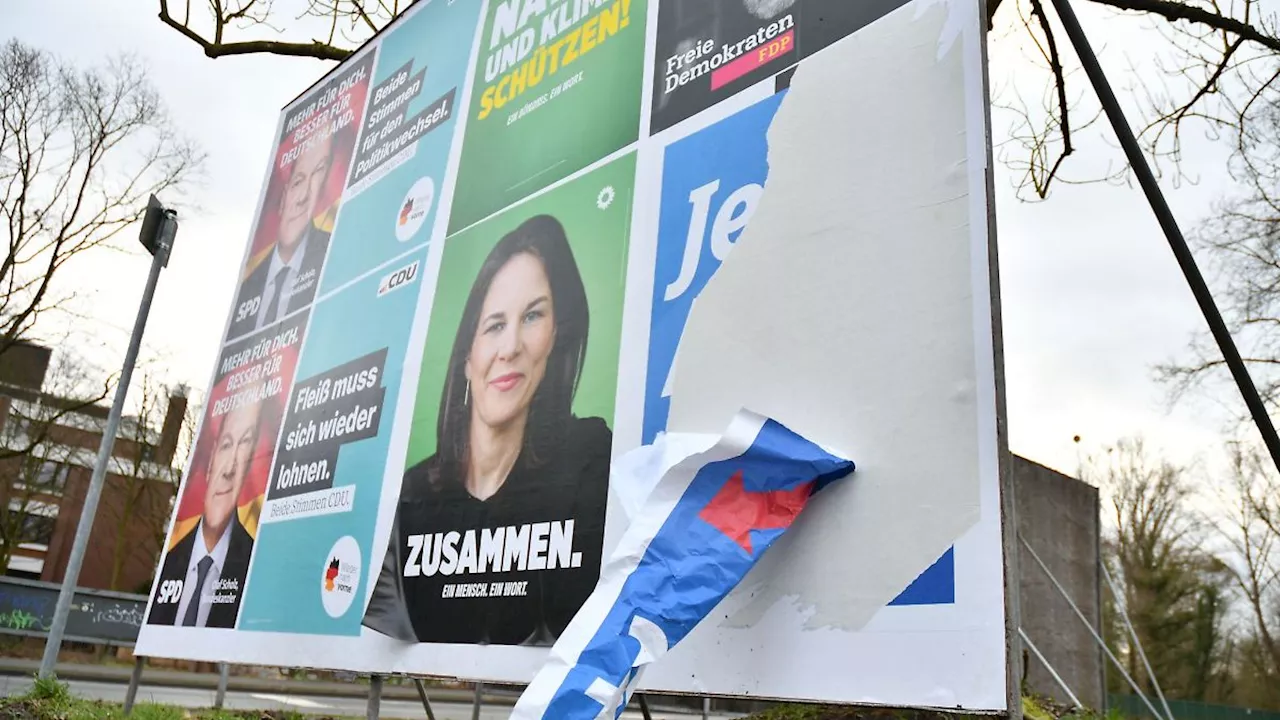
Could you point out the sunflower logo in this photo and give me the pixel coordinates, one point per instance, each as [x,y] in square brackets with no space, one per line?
[606,197]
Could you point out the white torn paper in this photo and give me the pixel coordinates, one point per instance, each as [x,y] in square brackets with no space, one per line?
[636,473]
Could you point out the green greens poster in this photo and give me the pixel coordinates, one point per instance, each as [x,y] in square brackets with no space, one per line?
[544,65]
[512,423]
[595,214]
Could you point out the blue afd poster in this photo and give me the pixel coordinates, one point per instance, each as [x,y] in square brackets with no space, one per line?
[711,184]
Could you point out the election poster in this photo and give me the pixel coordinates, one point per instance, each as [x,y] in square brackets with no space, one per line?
[518,380]
[513,255]
[322,503]
[397,178]
[291,240]
[202,579]
[543,67]
[708,51]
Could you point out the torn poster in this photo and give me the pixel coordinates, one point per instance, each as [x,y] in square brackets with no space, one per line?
[704,525]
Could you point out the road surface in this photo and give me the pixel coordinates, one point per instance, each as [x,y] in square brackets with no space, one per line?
[309,705]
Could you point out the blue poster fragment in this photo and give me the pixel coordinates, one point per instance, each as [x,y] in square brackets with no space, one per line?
[731,503]
[712,182]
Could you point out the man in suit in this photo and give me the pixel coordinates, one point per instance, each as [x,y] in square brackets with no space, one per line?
[287,280]
[202,580]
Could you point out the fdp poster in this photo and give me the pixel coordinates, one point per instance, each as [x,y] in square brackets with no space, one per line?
[709,51]
[508,244]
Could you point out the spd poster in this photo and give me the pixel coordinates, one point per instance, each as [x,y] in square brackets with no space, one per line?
[507,245]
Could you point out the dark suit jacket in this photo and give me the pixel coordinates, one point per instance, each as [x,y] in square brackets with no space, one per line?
[254,286]
[236,567]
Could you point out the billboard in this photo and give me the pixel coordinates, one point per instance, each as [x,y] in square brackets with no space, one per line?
[508,246]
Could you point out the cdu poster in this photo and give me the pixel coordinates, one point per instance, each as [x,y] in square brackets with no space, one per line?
[510,243]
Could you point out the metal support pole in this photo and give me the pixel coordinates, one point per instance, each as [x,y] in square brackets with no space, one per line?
[375,697]
[1172,233]
[706,708]
[1044,661]
[224,675]
[1096,637]
[426,701]
[135,679]
[54,642]
[475,707]
[644,707]
[1124,616]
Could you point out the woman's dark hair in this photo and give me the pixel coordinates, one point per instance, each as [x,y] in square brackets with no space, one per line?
[543,237]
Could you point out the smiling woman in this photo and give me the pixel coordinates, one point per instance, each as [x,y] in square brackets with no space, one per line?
[514,495]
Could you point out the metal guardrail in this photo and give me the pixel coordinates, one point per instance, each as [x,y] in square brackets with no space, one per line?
[101,616]
[97,616]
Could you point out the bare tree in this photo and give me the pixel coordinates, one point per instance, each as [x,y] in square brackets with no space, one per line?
[34,465]
[148,477]
[1241,242]
[1253,532]
[1173,592]
[1217,68]
[80,152]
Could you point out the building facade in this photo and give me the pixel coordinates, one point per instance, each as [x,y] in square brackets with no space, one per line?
[49,441]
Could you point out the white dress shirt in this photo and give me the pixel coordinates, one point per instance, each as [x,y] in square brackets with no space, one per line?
[274,266]
[199,551]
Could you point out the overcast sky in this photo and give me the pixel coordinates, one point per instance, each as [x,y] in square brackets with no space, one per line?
[1092,296]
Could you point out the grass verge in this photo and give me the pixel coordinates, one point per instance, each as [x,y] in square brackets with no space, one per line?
[49,699]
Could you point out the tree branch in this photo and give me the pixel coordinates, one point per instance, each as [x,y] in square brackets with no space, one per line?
[360,12]
[314,49]
[1174,11]
[1060,84]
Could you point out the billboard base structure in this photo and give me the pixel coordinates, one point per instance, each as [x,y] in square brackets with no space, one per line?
[426,701]
[372,709]
[1137,644]
[135,679]
[224,676]
[727,194]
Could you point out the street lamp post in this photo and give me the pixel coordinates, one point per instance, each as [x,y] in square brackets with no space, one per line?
[159,226]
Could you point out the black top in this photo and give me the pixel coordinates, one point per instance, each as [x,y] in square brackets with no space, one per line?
[438,584]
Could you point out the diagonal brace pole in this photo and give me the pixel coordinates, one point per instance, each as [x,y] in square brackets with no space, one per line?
[426,701]
[1089,626]
[1137,644]
[1147,179]
[1045,662]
